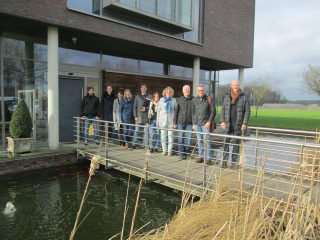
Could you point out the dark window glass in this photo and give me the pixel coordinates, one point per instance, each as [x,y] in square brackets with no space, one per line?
[25,80]
[180,71]
[120,61]
[90,6]
[131,3]
[79,55]
[124,19]
[20,46]
[152,66]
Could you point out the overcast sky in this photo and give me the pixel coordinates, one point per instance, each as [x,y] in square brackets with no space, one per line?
[287,39]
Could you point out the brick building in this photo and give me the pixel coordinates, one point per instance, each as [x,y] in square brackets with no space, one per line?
[51,51]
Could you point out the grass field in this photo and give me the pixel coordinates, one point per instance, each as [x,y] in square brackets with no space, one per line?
[290,119]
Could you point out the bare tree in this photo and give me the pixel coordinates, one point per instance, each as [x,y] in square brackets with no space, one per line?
[264,85]
[311,80]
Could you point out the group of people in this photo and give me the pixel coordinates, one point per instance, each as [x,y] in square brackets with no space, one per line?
[165,113]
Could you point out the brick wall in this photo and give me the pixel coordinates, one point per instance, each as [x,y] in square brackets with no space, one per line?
[21,164]
[122,81]
[228,27]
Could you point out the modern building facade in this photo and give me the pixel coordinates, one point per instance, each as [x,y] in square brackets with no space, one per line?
[51,51]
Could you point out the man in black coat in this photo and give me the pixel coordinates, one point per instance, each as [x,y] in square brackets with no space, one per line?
[107,100]
[235,114]
[90,111]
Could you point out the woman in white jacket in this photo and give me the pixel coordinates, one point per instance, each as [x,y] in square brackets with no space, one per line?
[166,108]
[116,126]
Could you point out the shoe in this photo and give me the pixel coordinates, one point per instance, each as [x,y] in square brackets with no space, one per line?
[187,156]
[181,157]
[169,154]
[86,143]
[199,160]
[155,150]
[234,166]
[133,147]
[151,150]
[96,142]
[127,145]
[163,153]
[209,163]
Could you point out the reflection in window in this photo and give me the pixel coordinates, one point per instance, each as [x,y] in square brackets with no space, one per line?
[179,71]
[194,35]
[91,6]
[204,74]
[86,56]
[184,12]
[153,67]
[20,46]
[127,63]
[167,9]
[26,80]
[131,3]
[149,6]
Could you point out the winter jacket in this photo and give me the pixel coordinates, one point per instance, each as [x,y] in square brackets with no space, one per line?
[201,112]
[126,111]
[116,106]
[90,106]
[138,104]
[107,105]
[165,119]
[183,113]
[243,111]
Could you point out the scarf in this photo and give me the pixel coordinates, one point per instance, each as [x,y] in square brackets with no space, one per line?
[168,104]
[151,113]
[127,100]
[234,97]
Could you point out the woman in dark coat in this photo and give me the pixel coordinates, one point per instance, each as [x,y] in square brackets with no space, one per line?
[126,116]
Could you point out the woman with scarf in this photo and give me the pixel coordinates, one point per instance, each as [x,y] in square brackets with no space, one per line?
[152,116]
[118,129]
[165,116]
[126,116]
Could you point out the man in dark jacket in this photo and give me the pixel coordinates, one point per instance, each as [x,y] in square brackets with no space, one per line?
[140,113]
[90,111]
[107,100]
[183,121]
[235,114]
[203,114]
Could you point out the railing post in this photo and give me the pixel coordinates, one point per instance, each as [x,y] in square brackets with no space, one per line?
[256,150]
[146,138]
[301,157]
[107,139]
[78,136]
[205,143]
[147,155]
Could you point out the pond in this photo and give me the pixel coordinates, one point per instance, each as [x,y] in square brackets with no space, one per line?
[47,202]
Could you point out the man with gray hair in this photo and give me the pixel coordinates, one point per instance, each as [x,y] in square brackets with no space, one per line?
[203,113]
[235,114]
[183,121]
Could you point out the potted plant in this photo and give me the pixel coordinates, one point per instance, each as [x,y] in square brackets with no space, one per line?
[20,129]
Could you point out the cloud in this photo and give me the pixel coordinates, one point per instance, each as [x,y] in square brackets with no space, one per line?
[287,39]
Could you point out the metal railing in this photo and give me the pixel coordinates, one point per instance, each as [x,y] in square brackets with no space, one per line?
[282,161]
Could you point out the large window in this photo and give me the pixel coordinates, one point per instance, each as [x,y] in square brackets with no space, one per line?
[120,61]
[181,71]
[153,66]
[178,18]
[90,6]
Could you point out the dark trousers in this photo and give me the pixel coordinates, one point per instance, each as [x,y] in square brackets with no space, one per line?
[235,148]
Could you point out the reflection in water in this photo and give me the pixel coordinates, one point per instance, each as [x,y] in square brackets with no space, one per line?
[47,202]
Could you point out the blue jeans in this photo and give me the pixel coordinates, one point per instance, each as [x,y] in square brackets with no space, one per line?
[200,138]
[127,133]
[154,135]
[136,135]
[184,148]
[87,122]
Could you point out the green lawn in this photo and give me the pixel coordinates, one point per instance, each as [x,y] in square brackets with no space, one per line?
[290,119]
